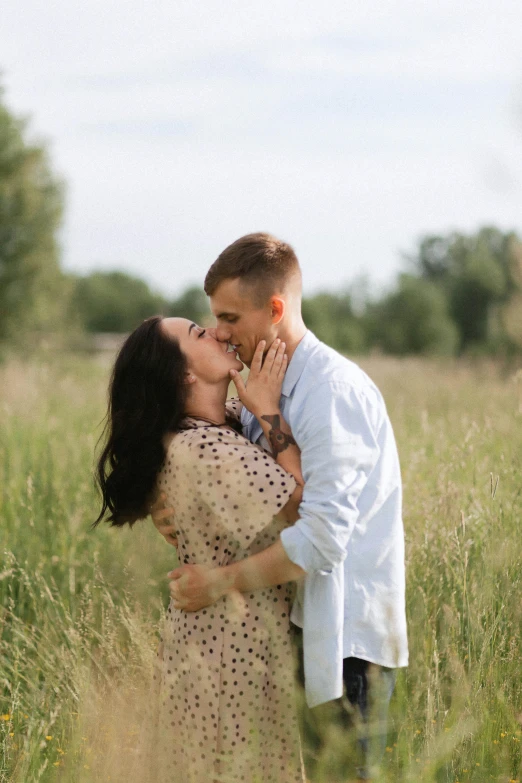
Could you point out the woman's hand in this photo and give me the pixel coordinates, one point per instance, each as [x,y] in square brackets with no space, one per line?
[263,389]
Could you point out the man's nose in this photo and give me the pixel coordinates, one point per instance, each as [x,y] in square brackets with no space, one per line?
[222,333]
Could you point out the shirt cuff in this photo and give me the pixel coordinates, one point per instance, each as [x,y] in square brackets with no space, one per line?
[303,552]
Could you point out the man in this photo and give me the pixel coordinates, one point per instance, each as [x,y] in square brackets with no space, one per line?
[348,542]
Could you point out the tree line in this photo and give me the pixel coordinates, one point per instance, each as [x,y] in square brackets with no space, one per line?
[458,294]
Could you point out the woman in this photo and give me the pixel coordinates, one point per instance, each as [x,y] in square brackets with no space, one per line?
[227,701]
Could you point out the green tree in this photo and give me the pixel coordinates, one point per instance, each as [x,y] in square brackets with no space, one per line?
[475,273]
[332,318]
[114,302]
[415,319]
[192,304]
[31,292]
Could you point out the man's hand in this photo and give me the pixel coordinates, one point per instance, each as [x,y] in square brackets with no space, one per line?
[162,518]
[193,587]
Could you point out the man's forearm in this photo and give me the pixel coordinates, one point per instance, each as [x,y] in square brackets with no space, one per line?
[267,568]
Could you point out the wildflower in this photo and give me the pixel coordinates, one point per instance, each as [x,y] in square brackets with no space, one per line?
[49,737]
[11,733]
[389,750]
[6,717]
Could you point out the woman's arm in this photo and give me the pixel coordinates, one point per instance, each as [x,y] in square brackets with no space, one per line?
[261,396]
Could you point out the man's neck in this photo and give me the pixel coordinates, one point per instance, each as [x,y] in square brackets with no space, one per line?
[292,336]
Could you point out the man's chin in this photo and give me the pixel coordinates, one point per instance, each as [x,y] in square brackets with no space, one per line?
[244,359]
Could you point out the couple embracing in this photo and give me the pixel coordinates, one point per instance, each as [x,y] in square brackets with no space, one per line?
[287,520]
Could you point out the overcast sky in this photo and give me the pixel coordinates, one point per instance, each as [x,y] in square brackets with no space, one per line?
[348,128]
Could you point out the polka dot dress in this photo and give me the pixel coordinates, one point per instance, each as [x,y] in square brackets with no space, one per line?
[227,709]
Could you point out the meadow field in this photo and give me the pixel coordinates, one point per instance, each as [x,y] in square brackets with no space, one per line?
[81,611]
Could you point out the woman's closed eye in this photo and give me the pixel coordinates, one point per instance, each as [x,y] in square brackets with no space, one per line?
[201,333]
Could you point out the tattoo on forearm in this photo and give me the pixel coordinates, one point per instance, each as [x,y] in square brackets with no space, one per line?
[279,440]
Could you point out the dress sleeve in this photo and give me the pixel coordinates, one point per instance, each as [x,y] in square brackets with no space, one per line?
[241,485]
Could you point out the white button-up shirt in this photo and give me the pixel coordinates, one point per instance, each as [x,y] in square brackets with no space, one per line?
[349,537]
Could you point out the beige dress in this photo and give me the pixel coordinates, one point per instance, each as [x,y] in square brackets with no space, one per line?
[227,707]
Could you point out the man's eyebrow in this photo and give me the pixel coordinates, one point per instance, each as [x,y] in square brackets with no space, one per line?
[191,327]
[226,315]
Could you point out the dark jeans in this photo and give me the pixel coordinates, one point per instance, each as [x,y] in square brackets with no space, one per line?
[363,708]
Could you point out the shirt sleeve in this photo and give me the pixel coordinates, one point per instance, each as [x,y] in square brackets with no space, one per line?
[336,433]
[241,485]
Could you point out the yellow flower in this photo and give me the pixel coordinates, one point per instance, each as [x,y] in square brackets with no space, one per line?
[11,733]
[6,717]
[389,750]
[49,737]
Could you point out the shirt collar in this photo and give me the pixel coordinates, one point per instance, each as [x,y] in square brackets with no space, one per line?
[298,361]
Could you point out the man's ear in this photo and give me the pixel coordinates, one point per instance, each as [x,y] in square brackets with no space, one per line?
[277,306]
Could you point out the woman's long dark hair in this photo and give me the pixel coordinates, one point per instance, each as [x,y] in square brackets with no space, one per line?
[146,400]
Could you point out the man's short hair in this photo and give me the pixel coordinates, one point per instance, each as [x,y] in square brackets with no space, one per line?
[264,264]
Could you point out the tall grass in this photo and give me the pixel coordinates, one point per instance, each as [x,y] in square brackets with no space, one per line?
[80,611]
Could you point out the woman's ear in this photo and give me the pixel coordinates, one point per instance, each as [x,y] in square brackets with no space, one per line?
[277,306]
[190,377]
